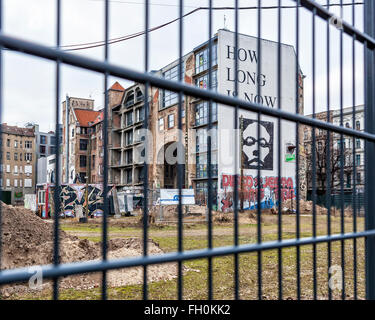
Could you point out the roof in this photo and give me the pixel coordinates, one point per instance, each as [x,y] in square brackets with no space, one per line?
[17,130]
[117,86]
[84,116]
[99,118]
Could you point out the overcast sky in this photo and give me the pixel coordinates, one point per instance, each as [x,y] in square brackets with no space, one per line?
[29,83]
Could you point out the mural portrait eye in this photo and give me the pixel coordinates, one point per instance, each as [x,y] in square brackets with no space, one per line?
[263,143]
[249,141]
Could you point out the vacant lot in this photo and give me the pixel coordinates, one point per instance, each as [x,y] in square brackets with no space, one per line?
[196,272]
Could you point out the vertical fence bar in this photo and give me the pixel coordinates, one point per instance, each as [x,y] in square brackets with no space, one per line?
[328,158]
[342,159]
[145,124]
[298,75]
[369,14]
[209,160]
[1,125]
[279,196]
[314,159]
[179,151]
[56,194]
[105,173]
[259,212]
[353,163]
[236,198]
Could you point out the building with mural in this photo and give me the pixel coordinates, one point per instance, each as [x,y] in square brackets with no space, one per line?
[225,141]
[17,164]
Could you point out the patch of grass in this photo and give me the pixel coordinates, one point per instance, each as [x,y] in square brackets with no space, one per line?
[196,278]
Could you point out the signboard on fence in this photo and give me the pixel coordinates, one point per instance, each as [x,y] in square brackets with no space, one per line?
[171,196]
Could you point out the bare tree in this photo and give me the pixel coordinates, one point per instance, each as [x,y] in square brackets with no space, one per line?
[328,153]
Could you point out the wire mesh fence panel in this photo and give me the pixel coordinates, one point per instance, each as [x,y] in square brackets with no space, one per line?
[254,152]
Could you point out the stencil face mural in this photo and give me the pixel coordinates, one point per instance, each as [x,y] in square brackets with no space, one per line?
[250,144]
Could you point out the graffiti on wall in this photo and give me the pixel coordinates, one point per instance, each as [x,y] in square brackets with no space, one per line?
[268,187]
[75,195]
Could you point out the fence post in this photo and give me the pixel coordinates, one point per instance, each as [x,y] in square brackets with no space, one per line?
[369,14]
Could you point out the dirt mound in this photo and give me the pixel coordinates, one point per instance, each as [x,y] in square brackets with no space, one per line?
[28,240]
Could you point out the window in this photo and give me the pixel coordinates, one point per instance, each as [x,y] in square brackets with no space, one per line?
[72,132]
[129,118]
[93,162]
[52,150]
[28,170]
[43,139]
[16,156]
[53,140]
[28,144]
[358,125]
[82,176]
[358,177]
[169,98]
[202,61]
[16,143]
[347,125]
[8,142]
[28,183]
[129,157]
[128,176]
[161,124]
[42,149]
[201,139]
[202,165]
[20,182]
[201,113]
[82,161]
[170,121]
[41,197]
[357,159]
[348,181]
[83,144]
[358,143]
[139,114]
[21,157]
[15,182]
[28,156]
[128,137]
[129,100]
[202,81]
[8,168]
[8,155]
[84,130]
[8,182]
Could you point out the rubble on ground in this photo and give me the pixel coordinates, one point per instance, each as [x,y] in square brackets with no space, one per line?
[27,240]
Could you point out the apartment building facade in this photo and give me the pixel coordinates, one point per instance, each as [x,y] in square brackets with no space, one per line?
[350,116]
[18,163]
[78,114]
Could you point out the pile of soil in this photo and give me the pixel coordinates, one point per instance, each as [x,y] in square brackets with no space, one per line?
[28,240]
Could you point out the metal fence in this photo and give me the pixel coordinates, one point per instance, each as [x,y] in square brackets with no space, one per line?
[57,270]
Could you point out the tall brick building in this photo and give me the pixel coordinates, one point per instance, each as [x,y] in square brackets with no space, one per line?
[17,163]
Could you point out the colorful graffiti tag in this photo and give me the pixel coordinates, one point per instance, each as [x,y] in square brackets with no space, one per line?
[268,187]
